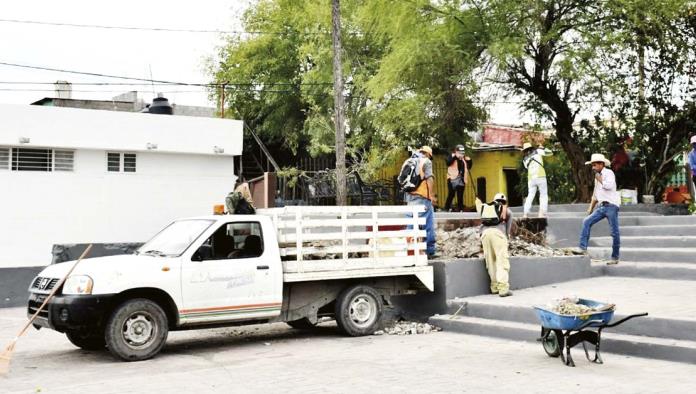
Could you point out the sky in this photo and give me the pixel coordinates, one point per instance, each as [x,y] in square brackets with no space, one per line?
[170,56]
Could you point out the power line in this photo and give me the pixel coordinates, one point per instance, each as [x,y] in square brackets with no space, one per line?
[141,28]
[149,81]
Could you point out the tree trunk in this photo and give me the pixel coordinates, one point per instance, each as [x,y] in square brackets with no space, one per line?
[582,176]
[341,184]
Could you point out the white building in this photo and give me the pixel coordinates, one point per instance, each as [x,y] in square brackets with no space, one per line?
[79,176]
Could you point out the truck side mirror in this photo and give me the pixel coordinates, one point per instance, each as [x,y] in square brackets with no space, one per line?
[197,256]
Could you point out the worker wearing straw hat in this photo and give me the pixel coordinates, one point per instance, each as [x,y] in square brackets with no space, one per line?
[606,200]
[424,194]
[533,161]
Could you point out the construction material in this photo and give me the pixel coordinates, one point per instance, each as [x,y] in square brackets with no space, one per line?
[408,328]
[466,243]
[6,356]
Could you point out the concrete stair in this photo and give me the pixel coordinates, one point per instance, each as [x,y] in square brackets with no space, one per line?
[643,269]
[653,337]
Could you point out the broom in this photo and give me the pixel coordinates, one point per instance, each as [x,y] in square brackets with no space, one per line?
[6,356]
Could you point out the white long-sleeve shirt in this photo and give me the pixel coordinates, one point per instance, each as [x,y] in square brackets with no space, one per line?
[606,191]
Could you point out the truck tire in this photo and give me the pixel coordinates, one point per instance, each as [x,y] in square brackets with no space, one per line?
[301,324]
[136,330]
[358,311]
[87,340]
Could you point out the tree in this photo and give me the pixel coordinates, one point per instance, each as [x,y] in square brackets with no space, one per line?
[341,186]
[543,50]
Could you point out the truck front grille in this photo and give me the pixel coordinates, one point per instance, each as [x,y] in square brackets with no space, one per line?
[44,283]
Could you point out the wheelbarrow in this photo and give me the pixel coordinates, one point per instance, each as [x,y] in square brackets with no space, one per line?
[562,332]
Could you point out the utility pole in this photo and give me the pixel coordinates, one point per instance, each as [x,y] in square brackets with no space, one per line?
[341,184]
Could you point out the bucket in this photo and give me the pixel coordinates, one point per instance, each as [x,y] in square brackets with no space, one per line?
[629,197]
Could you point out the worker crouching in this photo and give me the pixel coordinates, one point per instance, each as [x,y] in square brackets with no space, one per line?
[496,222]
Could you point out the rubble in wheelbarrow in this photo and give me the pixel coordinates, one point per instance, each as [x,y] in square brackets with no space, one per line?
[408,328]
[465,242]
[570,306]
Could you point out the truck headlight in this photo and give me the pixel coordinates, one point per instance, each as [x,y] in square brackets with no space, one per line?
[78,284]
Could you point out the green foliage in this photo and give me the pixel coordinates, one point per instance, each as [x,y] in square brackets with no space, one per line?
[408,75]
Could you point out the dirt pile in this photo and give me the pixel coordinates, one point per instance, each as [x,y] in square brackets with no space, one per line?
[465,242]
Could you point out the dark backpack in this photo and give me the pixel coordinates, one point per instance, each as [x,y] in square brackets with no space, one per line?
[237,204]
[491,214]
[409,177]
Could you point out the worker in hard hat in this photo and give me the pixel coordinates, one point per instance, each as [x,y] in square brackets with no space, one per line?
[496,223]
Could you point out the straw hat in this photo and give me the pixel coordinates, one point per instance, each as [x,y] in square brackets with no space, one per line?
[526,146]
[427,150]
[598,158]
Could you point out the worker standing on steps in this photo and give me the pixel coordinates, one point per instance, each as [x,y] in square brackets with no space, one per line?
[533,161]
[605,204]
[496,222]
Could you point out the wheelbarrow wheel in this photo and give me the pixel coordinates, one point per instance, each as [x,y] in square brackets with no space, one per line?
[552,343]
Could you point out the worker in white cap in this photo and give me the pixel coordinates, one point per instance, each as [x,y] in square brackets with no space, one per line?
[533,161]
[496,223]
[606,200]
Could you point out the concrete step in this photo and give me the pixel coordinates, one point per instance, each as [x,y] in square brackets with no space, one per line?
[661,327]
[657,230]
[612,342]
[643,269]
[647,242]
[664,220]
[673,255]
[657,208]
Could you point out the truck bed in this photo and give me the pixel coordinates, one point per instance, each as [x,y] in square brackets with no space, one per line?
[324,242]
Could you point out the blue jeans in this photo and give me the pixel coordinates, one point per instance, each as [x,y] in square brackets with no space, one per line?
[611,212]
[429,223]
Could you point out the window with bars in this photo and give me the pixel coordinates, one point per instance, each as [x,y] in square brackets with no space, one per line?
[120,162]
[4,159]
[34,159]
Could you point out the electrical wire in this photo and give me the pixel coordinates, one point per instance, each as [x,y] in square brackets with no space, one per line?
[159,82]
[141,28]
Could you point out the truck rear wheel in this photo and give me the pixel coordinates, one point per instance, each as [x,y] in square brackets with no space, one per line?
[137,330]
[87,340]
[359,310]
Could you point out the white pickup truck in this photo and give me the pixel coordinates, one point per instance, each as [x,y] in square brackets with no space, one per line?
[294,265]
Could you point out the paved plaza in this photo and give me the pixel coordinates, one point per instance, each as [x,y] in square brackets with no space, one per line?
[276,358]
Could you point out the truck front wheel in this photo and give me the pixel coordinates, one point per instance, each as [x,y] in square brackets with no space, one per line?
[137,330]
[359,310]
[87,340]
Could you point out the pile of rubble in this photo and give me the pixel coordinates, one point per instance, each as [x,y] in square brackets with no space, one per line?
[572,306]
[465,242]
[408,328]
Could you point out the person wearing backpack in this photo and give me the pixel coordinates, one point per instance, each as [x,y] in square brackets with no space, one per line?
[418,184]
[533,161]
[458,166]
[496,223]
[239,201]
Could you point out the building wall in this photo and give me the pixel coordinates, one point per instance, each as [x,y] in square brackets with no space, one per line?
[39,209]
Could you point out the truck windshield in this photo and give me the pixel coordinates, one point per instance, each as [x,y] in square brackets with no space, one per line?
[175,238]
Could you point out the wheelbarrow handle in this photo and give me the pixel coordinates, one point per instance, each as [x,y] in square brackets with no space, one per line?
[616,323]
[587,324]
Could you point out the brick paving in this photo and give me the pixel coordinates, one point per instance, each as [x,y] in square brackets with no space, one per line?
[275,358]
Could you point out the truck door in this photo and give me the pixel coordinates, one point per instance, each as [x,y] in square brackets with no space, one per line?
[228,277]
